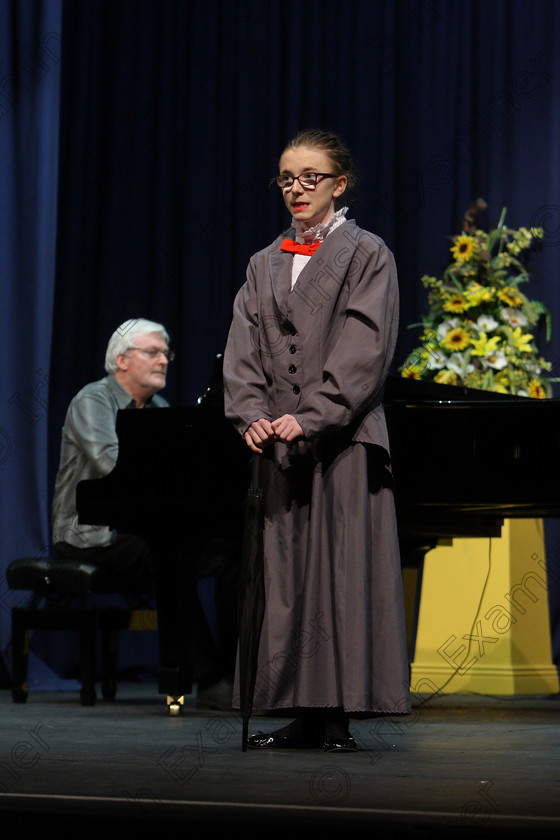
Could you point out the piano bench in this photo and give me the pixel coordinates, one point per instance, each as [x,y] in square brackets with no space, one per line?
[65,584]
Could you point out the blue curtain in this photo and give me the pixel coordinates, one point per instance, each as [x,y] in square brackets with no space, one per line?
[30,60]
[136,156]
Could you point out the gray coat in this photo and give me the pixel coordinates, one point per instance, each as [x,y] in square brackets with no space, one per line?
[321,351]
[333,633]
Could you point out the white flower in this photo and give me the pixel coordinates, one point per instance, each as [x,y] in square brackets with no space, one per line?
[445,326]
[458,364]
[436,360]
[532,366]
[514,317]
[486,323]
[496,360]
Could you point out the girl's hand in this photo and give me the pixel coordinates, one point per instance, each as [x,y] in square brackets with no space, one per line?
[259,434]
[286,428]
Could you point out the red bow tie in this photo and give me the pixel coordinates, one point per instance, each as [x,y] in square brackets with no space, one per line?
[298,247]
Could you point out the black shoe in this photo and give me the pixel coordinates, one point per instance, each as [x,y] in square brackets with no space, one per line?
[335,744]
[261,741]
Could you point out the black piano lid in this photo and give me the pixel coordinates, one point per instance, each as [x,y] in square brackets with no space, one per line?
[462,450]
[402,389]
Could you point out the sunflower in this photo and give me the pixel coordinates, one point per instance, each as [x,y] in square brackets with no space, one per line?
[511,297]
[456,339]
[536,390]
[455,303]
[481,329]
[463,248]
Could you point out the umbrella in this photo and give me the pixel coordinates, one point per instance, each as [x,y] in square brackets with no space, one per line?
[251,596]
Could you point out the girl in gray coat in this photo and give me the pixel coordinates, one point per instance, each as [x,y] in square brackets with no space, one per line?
[310,345]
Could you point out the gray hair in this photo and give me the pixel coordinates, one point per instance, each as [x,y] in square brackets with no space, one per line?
[124,336]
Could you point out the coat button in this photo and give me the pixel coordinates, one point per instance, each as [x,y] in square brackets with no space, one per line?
[295,389]
[293,348]
[292,369]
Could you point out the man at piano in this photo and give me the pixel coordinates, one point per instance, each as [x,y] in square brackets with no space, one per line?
[136,362]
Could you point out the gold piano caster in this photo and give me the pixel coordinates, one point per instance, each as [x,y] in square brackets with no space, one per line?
[175,706]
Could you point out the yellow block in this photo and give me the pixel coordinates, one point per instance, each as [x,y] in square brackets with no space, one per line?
[143,619]
[483,620]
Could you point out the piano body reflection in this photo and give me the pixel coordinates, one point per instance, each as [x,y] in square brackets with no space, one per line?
[463,461]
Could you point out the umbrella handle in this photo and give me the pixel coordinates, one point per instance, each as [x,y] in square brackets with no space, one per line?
[255,472]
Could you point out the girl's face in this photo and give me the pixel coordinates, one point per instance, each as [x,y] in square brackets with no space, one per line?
[310,206]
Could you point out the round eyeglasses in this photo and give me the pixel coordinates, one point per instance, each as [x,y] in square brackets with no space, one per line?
[308,180]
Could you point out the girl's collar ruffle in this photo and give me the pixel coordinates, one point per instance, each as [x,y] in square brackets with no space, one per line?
[318,232]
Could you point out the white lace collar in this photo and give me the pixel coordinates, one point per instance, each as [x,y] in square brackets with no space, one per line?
[318,232]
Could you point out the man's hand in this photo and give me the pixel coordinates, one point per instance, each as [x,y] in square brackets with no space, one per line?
[259,434]
[286,428]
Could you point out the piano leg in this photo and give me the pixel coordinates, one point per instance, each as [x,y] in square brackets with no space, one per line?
[175,705]
[413,553]
[175,587]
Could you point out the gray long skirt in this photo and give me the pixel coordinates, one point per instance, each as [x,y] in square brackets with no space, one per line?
[334,631]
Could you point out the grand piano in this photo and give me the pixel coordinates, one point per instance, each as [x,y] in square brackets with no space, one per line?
[463,460]
[180,482]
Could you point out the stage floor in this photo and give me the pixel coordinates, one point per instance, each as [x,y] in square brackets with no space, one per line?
[470,765]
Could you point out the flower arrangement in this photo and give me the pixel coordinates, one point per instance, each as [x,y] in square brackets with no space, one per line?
[480,329]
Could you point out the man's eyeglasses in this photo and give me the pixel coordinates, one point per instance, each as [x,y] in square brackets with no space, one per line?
[308,180]
[154,352]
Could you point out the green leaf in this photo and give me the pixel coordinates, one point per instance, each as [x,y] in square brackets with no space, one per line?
[497,232]
[543,310]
